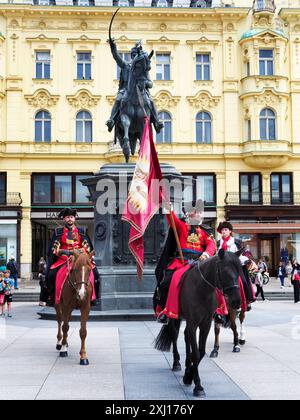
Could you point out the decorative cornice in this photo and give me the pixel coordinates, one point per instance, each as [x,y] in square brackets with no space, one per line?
[217,13]
[163,40]
[42,98]
[266,96]
[265,36]
[165,100]
[203,100]
[83,99]
[42,38]
[84,38]
[202,40]
[111,99]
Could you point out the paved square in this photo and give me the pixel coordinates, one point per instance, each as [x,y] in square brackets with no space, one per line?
[124,364]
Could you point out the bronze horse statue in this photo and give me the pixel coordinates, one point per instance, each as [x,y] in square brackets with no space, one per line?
[198,304]
[133,102]
[76,294]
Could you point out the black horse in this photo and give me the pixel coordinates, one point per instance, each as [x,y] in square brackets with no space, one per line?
[198,304]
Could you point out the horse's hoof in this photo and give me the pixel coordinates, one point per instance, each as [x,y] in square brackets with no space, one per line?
[63,354]
[58,347]
[199,393]
[242,342]
[84,362]
[236,349]
[187,380]
[214,354]
[176,367]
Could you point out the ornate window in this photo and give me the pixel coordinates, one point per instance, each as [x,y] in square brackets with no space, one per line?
[126,57]
[84,65]
[267,124]
[266,62]
[163,64]
[84,127]
[43,127]
[203,127]
[42,65]
[250,188]
[165,136]
[281,188]
[83,2]
[44,2]
[202,66]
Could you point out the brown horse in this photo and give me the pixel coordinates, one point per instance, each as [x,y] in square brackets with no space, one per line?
[76,294]
[238,340]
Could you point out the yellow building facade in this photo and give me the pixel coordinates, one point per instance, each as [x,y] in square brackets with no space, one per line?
[226,82]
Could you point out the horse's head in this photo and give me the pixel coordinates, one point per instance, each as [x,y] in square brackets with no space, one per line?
[80,273]
[229,269]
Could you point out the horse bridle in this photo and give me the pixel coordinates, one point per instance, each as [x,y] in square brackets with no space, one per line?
[74,285]
[218,285]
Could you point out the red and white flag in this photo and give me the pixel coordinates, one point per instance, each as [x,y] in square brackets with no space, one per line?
[144,197]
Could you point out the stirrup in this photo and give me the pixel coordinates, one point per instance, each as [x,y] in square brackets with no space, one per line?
[163,319]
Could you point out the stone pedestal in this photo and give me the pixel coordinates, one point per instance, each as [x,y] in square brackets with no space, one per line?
[120,288]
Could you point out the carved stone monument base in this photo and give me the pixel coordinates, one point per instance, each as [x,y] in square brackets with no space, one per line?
[120,288]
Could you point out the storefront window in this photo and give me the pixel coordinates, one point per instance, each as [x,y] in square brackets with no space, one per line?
[2,188]
[290,246]
[250,242]
[63,189]
[42,189]
[8,243]
[82,192]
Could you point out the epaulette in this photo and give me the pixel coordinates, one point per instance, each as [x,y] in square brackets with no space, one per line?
[82,231]
[59,231]
[208,230]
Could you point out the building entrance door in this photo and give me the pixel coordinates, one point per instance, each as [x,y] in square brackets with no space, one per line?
[269,250]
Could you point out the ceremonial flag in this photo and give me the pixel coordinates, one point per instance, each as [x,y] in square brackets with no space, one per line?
[144,197]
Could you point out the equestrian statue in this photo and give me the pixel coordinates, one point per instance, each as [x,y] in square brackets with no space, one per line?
[133,101]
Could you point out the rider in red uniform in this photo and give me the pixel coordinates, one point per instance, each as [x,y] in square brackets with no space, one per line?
[197,242]
[63,242]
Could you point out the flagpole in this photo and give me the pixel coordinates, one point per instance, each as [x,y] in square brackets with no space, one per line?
[141,101]
[176,235]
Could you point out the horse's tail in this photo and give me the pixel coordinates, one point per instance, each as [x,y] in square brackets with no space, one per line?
[167,336]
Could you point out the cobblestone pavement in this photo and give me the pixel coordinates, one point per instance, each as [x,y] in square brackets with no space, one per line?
[124,364]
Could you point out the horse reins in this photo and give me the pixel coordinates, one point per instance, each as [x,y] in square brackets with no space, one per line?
[75,285]
[219,287]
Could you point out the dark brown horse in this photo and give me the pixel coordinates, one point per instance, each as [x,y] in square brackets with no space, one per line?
[76,294]
[198,304]
[238,340]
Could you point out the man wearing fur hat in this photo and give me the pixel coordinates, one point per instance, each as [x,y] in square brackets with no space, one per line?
[197,242]
[229,243]
[63,242]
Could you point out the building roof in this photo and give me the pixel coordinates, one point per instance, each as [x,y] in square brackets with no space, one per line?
[253,32]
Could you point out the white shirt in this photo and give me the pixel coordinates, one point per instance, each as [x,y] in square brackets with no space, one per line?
[231,245]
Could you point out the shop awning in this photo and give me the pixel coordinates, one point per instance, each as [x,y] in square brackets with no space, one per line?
[266,227]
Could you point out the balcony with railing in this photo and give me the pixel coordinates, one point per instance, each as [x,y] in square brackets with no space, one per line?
[264,6]
[10,199]
[262,199]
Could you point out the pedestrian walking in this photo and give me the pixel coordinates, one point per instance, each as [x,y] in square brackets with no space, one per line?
[42,277]
[281,274]
[12,267]
[296,284]
[288,272]
[2,294]
[8,283]
[259,279]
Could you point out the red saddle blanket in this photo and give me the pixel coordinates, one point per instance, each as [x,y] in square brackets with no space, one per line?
[61,277]
[222,305]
